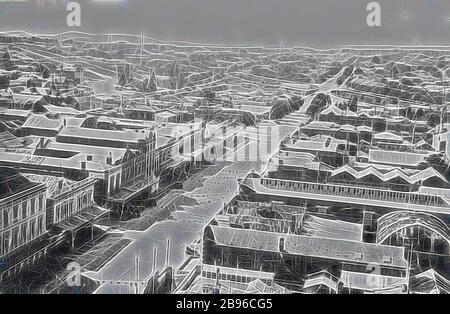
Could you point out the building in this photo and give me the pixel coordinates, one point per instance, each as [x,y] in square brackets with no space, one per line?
[65,198]
[23,219]
[23,205]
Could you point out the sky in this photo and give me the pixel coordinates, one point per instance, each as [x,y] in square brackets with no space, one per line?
[314,23]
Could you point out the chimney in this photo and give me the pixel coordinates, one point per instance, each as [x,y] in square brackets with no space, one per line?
[109,159]
[83,166]
[41,142]
[60,184]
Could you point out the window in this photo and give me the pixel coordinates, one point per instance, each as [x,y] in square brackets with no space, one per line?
[6,242]
[23,236]
[111,185]
[41,225]
[41,203]
[5,218]
[15,213]
[89,197]
[33,229]
[28,231]
[24,210]
[32,205]
[117,186]
[85,200]
[15,238]
[57,217]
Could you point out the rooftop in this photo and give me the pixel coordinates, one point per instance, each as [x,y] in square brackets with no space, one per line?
[326,248]
[13,182]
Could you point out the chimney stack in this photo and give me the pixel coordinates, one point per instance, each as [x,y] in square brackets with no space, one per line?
[109,159]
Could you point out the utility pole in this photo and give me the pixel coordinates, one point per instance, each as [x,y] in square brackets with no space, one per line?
[408,271]
[167,260]
[136,274]
[155,257]
[142,42]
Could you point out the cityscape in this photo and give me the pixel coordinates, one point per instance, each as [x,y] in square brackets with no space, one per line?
[130,165]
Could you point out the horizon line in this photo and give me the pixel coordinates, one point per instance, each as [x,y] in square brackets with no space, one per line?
[184,43]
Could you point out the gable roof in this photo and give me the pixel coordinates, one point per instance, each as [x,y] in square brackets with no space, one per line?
[393,174]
